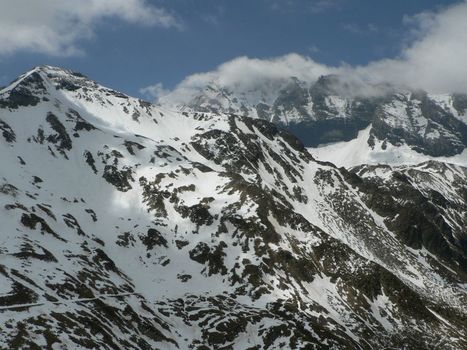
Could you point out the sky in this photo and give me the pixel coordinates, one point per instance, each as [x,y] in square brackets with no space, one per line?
[152,48]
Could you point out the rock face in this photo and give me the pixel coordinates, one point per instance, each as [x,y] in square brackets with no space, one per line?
[333,110]
[125,225]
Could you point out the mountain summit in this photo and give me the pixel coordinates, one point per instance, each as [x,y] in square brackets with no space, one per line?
[126,225]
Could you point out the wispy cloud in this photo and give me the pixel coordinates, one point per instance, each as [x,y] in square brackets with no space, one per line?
[313,49]
[154,92]
[359,29]
[215,16]
[318,6]
[311,6]
[55,27]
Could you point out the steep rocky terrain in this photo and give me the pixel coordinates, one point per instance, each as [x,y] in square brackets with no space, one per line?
[334,110]
[128,226]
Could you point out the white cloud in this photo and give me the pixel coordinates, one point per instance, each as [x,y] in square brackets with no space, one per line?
[433,58]
[154,92]
[249,74]
[55,27]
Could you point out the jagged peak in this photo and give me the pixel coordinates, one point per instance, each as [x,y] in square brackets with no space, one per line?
[39,75]
[56,72]
[44,80]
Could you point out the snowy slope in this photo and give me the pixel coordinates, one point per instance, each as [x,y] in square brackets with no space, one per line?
[125,225]
[358,151]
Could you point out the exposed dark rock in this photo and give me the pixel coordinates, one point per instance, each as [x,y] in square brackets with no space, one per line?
[7,132]
[198,214]
[119,178]
[31,221]
[61,137]
[130,145]
[153,238]
[25,93]
[90,161]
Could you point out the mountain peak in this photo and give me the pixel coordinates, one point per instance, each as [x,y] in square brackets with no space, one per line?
[27,90]
[58,72]
[42,82]
[37,79]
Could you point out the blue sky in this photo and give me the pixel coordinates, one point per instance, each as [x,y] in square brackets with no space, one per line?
[127,50]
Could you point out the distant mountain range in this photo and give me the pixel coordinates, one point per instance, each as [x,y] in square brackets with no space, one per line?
[334,110]
[126,225]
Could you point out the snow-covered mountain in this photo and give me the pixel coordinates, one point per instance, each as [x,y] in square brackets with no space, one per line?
[334,110]
[125,225]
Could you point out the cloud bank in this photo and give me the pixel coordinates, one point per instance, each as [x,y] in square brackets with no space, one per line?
[55,27]
[434,58]
[241,74]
